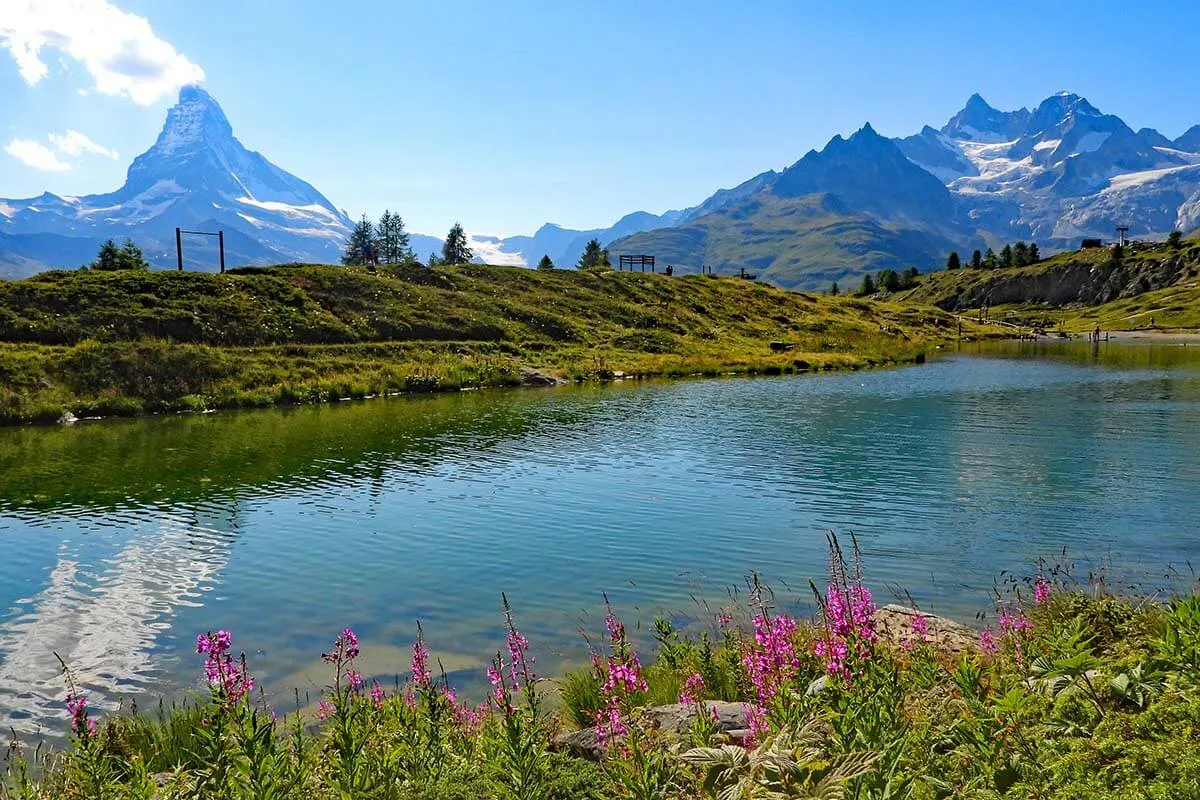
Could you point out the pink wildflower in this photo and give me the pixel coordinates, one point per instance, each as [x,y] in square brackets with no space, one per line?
[377,695]
[723,620]
[1041,592]
[356,680]
[772,662]
[622,677]
[222,672]
[420,663]
[325,709]
[987,641]
[83,727]
[693,689]
[756,720]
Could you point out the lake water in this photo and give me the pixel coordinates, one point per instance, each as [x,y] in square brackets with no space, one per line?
[119,541]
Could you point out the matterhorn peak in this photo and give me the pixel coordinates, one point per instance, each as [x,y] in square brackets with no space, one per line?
[194,120]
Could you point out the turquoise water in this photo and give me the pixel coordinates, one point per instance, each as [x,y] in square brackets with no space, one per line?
[121,540]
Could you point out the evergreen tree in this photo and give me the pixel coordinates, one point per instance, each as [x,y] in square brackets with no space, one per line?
[989,259]
[1021,255]
[434,260]
[109,257]
[888,280]
[908,278]
[456,250]
[393,240]
[953,261]
[127,256]
[834,290]
[1034,255]
[1006,257]
[868,285]
[976,260]
[362,244]
[545,263]
[1175,240]
[594,256]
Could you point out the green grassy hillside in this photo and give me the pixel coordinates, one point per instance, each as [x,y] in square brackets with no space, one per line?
[1084,277]
[807,242]
[131,342]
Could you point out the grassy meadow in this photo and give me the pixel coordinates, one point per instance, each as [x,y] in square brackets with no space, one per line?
[132,342]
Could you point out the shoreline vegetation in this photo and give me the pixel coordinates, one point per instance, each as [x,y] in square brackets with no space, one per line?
[1065,690]
[94,343]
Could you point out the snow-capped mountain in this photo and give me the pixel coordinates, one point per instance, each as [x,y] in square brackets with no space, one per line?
[1061,172]
[196,175]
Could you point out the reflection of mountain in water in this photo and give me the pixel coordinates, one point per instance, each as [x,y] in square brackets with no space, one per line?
[104,619]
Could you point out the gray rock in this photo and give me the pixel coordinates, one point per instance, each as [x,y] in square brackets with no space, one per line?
[583,743]
[533,377]
[817,686]
[678,717]
[893,623]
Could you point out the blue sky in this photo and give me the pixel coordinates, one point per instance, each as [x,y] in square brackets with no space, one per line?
[505,115]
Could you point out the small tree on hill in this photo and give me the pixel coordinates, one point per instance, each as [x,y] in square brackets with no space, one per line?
[361,246]
[1175,240]
[393,239]
[977,260]
[953,261]
[434,260]
[1006,257]
[868,285]
[127,256]
[908,278]
[1034,255]
[594,256]
[989,259]
[545,263]
[456,250]
[1020,255]
[888,280]
[834,290]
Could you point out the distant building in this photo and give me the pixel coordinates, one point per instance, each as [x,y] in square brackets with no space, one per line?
[1088,244]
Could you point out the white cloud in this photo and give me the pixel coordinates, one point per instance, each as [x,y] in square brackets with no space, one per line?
[119,49]
[36,155]
[74,143]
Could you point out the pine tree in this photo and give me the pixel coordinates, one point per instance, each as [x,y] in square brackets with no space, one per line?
[362,244]
[1006,257]
[109,257]
[1175,240]
[1021,255]
[908,278]
[455,250]
[594,256]
[953,262]
[393,240]
[868,285]
[545,263]
[1034,255]
[989,259]
[888,280]
[976,260]
[132,257]
[434,260]
[834,290]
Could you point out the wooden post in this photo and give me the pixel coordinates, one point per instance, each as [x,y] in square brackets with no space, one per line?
[179,249]
[221,246]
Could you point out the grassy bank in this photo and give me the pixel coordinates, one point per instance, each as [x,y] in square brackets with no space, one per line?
[124,343]
[1066,693]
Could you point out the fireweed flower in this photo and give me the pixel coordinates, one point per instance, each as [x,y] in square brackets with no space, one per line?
[693,689]
[231,678]
[1041,591]
[377,695]
[723,620]
[325,709]
[83,727]
[849,618]
[622,674]
[420,663]
[771,663]
[356,680]
[756,721]
[1014,628]
[987,641]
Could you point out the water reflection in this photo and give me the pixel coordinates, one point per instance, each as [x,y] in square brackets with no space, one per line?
[103,616]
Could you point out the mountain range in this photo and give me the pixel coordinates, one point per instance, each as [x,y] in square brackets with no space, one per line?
[1055,174]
